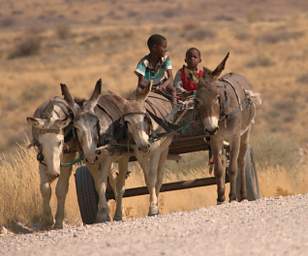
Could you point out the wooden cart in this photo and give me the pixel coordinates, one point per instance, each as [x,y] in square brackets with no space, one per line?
[88,199]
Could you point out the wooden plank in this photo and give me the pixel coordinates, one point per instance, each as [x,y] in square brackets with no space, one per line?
[178,185]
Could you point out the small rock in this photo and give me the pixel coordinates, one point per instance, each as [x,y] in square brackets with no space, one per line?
[3,231]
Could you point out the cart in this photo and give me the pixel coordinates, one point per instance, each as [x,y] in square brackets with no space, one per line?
[88,199]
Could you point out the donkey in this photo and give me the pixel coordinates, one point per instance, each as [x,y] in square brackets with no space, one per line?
[52,135]
[161,132]
[95,125]
[227,108]
[112,112]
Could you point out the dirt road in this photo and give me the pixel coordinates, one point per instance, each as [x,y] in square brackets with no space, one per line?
[275,226]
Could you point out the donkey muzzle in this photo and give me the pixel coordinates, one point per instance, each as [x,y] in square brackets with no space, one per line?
[212,131]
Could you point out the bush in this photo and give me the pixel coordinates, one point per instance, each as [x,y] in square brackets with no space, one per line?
[259,61]
[274,37]
[28,46]
[196,33]
[302,79]
[63,31]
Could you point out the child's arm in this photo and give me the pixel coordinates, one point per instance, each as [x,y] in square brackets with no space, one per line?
[140,72]
[168,85]
[178,83]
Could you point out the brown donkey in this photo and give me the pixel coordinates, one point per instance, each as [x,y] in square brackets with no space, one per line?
[227,108]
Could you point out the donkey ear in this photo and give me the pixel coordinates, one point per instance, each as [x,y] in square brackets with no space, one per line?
[66,94]
[97,90]
[36,122]
[142,93]
[62,123]
[216,73]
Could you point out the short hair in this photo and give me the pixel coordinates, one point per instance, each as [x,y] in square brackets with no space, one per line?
[193,49]
[155,39]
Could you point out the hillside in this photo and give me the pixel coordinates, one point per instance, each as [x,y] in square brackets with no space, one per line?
[76,42]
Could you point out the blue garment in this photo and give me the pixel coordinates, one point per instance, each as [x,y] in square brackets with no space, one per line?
[158,73]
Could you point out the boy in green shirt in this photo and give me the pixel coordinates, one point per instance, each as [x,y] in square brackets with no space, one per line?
[156,66]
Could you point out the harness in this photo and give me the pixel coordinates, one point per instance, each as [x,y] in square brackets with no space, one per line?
[69,135]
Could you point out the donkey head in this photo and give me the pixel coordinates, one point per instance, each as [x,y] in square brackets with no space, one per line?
[87,125]
[138,122]
[208,98]
[48,124]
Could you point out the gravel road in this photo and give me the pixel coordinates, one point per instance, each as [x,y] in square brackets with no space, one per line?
[271,226]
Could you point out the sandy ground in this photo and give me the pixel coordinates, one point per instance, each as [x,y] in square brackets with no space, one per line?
[270,226]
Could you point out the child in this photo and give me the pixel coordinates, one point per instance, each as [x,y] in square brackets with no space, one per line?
[182,81]
[156,66]
[184,84]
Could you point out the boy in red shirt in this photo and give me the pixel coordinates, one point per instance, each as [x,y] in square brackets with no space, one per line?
[182,81]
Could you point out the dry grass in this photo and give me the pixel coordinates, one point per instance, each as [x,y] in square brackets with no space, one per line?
[20,198]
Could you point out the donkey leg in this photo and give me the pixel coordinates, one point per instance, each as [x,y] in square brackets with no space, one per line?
[219,170]
[100,173]
[241,163]
[235,146]
[152,180]
[61,191]
[120,183]
[160,171]
[45,189]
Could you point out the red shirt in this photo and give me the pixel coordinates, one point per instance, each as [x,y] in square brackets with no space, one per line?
[188,84]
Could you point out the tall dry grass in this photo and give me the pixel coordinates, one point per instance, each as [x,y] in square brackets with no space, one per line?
[20,200]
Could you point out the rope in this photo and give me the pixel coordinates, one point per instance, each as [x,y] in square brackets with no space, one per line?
[79,160]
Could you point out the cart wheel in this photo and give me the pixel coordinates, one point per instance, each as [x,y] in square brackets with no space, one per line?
[86,194]
[252,182]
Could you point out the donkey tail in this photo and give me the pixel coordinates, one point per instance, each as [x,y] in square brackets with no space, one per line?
[254,96]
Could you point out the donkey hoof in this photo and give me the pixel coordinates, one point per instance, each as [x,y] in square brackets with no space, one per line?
[117,218]
[102,218]
[58,226]
[48,223]
[244,200]
[153,211]
[220,202]
[232,198]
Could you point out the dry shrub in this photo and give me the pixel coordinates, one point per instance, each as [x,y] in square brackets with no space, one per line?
[192,32]
[63,31]
[241,36]
[259,61]
[7,22]
[253,16]
[224,17]
[274,37]
[302,79]
[168,13]
[28,46]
